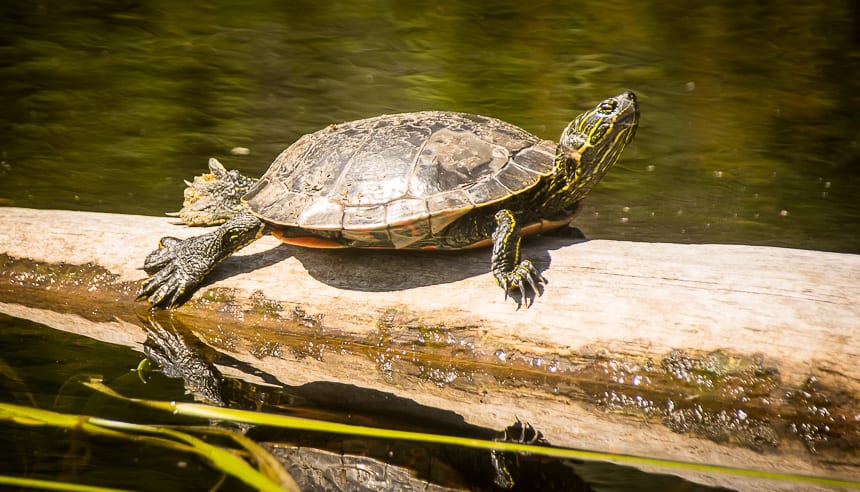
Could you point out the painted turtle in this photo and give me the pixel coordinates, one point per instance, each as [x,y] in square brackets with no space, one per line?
[428,180]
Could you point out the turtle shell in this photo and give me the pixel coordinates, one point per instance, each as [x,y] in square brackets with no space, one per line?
[392,180]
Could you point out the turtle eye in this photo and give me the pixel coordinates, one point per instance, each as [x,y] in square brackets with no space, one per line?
[608,106]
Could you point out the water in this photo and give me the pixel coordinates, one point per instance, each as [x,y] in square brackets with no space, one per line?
[44,367]
[748,130]
[748,134]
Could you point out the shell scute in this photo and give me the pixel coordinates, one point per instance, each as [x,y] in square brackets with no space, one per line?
[398,178]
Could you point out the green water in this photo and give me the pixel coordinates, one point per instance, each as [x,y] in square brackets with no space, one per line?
[44,367]
[749,131]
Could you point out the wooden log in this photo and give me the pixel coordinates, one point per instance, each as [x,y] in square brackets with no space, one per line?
[618,320]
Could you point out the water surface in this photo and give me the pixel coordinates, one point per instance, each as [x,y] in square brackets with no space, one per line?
[749,131]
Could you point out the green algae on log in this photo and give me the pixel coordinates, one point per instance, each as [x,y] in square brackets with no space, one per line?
[744,355]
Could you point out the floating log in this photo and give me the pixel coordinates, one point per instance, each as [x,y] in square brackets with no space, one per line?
[741,356]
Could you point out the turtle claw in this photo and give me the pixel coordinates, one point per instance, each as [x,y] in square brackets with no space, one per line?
[524,278]
[159,289]
[163,289]
[216,168]
[177,267]
[506,466]
[523,294]
[163,295]
[534,283]
[511,274]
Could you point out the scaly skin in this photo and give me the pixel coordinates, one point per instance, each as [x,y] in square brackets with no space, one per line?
[179,266]
[509,271]
[588,148]
[214,198]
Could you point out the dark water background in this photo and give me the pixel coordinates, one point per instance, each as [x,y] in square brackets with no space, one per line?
[749,128]
[749,131]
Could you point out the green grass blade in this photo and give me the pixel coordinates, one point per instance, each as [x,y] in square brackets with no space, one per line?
[284,421]
[33,483]
[220,458]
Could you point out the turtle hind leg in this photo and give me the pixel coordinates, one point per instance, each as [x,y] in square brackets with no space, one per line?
[178,267]
[512,274]
[214,197]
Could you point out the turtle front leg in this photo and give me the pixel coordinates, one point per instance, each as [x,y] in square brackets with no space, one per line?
[179,266]
[509,271]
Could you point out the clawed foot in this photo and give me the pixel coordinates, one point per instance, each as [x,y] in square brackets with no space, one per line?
[511,273]
[506,465]
[523,274]
[177,267]
[213,198]
[523,433]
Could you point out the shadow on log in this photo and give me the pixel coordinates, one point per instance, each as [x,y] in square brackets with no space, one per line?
[733,355]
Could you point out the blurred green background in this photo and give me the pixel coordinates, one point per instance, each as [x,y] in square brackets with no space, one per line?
[749,130]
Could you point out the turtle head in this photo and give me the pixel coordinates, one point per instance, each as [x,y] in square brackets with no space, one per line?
[591,143]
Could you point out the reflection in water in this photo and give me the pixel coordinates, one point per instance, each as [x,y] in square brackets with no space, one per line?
[748,134]
[323,461]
